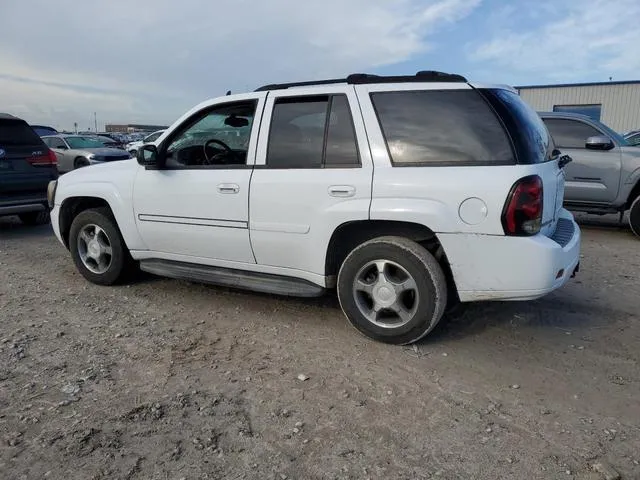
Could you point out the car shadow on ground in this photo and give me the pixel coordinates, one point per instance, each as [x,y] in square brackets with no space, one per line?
[550,314]
[12,228]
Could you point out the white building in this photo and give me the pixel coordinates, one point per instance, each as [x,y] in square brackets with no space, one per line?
[617,104]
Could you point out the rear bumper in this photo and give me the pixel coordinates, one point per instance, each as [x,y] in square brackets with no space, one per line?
[489,267]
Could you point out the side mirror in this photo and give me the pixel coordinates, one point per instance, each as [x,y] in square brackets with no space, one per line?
[599,142]
[147,156]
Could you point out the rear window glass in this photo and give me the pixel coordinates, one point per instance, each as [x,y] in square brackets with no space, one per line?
[17,132]
[441,127]
[44,130]
[529,135]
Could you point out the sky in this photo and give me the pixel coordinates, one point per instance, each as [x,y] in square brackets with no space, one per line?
[150,61]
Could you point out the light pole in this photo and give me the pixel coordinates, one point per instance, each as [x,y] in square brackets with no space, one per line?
[95,121]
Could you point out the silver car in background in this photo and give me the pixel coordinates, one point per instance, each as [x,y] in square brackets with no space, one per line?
[75,151]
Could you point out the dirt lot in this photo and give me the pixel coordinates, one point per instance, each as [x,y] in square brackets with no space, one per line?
[167,380]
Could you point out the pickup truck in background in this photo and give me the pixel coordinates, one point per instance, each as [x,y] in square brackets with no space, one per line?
[604,176]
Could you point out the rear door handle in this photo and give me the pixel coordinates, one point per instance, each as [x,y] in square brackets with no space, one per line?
[228,188]
[342,191]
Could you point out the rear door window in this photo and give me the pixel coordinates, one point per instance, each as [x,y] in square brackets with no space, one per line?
[440,128]
[570,133]
[312,132]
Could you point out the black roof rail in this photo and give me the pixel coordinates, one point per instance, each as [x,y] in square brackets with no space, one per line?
[364,78]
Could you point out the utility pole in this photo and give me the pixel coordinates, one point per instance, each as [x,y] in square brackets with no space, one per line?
[95,121]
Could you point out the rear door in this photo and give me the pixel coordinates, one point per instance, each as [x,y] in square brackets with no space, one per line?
[594,175]
[313,173]
[25,169]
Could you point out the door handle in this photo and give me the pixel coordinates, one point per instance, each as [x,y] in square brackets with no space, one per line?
[342,191]
[228,188]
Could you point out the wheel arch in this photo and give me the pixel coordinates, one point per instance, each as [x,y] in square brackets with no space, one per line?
[349,235]
[635,193]
[72,206]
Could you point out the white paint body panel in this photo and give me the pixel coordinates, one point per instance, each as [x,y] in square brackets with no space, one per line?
[293,214]
[182,212]
[281,220]
[493,267]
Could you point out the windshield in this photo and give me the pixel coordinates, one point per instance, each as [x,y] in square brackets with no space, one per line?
[153,137]
[84,142]
[44,130]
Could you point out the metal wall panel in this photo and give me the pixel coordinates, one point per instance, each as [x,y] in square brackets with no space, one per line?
[620,103]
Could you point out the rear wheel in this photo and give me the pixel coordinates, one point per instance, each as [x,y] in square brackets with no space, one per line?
[97,247]
[634,216]
[392,289]
[80,162]
[35,218]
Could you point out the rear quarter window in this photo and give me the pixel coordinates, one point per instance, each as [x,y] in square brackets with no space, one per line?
[528,133]
[441,128]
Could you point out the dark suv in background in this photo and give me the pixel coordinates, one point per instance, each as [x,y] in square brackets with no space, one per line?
[26,168]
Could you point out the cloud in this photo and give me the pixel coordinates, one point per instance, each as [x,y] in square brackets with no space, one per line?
[564,40]
[150,61]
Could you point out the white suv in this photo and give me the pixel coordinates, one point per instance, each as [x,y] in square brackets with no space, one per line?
[405,194]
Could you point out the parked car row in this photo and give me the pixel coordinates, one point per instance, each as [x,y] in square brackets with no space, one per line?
[76,151]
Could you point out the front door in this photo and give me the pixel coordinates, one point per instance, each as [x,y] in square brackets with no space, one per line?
[594,175]
[196,204]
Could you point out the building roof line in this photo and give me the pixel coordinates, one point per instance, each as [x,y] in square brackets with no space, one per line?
[588,84]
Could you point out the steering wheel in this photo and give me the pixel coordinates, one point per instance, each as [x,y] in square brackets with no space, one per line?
[227,152]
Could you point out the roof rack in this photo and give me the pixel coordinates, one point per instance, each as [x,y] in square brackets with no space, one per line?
[364,78]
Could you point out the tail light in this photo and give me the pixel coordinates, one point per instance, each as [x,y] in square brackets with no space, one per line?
[522,213]
[47,160]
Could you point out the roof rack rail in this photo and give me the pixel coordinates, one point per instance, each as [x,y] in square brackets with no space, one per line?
[364,78]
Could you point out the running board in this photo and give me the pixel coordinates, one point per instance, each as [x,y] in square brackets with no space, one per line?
[226,277]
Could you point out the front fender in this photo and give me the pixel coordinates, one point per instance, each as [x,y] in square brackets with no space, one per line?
[116,191]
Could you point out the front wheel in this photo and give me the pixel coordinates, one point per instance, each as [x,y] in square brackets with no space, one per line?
[634,216]
[392,290]
[97,247]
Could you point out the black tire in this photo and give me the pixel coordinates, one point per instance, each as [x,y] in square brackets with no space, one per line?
[80,162]
[634,216]
[120,263]
[35,218]
[430,284]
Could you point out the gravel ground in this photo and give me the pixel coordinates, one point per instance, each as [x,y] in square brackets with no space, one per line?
[164,379]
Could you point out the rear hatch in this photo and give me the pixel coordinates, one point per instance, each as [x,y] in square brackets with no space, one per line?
[26,167]
[534,148]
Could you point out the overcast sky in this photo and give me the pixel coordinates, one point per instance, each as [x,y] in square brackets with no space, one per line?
[150,60]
